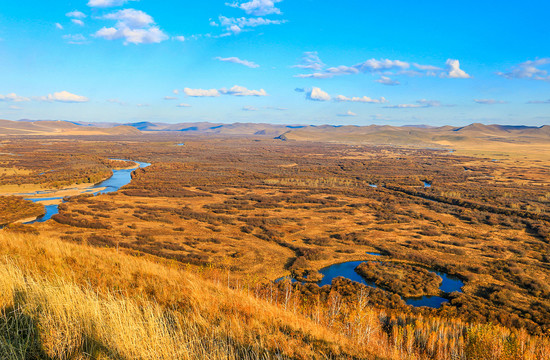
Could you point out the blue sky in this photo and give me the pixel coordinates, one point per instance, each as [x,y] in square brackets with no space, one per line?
[280,61]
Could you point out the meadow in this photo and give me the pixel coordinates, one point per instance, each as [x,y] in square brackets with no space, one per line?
[236,213]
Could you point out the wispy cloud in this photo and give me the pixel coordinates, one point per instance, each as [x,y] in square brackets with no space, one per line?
[384,80]
[234,26]
[170,98]
[310,60]
[233,91]
[201,92]
[184,105]
[13,97]
[76,39]
[59,26]
[423,103]
[242,91]
[249,108]
[348,114]
[134,26]
[427,67]
[539,102]
[76,14]
[179,38]
[382,67]
[532,69]
[489,101]
[316,94]
[363,99]
[107,3]
[276,108]
[77,22]
[236,60]
[65,97]
[116,101]
[257,7]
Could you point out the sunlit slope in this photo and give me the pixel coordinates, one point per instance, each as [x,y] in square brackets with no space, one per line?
[60,128]
[474,139]
[64,300]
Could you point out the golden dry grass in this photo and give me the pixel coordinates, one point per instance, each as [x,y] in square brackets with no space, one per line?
[66,301]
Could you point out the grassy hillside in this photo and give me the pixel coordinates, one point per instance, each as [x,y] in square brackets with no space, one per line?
[66,301]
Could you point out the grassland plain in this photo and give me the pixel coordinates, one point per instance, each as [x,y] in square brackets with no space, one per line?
[252,210]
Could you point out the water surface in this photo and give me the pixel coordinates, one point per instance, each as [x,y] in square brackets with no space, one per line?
[116,181]
[347,270]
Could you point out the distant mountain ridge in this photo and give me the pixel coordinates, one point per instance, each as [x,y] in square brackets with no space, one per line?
[417,135]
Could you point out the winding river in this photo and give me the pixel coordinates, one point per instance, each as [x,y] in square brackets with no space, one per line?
[112,184]
[347,270]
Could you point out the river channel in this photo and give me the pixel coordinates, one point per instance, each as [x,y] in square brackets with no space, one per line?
[347,270]
[116,181]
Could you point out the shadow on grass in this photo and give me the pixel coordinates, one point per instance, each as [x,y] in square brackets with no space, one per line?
[20,337]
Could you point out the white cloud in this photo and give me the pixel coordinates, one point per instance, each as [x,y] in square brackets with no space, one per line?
[374,65]
[175,91]
[234,26]
[258,7]
[242,91]
[310,60]
[454,71]
[76,14]
[179,38]
[15,107]
[64,96]
[276,108]
[316,94]
[233,91]
[364,99]
[107,3]
[170,98]
[77,22]
[528,70]
[13,97]
[349,113]
[184,105]
[384,80]
[236,60]
[77,39]
[134,26]
[490,101]
[382,67]
[249,108]
[59,26]
[131,18]
[201,92]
